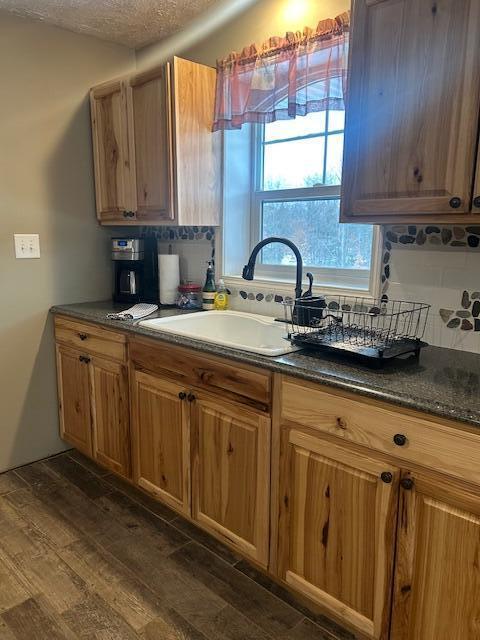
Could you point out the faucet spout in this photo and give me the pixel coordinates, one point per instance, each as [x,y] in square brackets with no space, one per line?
[249,269]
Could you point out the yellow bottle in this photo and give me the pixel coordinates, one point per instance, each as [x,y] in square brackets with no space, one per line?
[221,297]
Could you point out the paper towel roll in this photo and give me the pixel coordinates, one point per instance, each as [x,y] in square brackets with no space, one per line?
[168,278]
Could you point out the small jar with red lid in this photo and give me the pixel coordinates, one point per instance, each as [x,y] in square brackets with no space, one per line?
[189,296]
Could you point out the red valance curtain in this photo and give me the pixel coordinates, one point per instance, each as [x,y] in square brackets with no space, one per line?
[285,77]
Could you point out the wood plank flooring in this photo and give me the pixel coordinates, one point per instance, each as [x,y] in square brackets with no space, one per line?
[85,555]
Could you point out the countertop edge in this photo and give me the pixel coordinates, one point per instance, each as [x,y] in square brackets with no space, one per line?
[272,364]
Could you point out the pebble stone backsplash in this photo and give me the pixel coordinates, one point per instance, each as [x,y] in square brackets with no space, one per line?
[467,316]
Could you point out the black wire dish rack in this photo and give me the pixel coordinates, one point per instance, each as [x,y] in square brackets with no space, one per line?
[370,329]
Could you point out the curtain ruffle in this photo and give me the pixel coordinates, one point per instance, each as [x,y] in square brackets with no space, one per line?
[285,77]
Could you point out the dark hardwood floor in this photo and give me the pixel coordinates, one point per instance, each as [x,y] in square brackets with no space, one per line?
[85,555]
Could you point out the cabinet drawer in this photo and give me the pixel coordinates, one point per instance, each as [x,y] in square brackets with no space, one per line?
[244,384]
[422,442]
[91,339]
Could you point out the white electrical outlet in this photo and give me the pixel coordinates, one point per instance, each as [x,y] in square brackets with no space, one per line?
[27,245]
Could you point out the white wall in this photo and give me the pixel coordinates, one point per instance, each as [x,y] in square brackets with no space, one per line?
[46,187]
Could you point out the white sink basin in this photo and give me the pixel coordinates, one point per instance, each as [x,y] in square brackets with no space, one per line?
[244,331]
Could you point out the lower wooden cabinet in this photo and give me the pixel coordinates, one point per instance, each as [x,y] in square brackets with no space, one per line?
[381,532]
[74,399]
[110,414]
[94,407]
[337,522]
[437,574]
[231,474]
[161,439]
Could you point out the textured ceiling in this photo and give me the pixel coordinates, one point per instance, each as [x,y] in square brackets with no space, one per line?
[134,23]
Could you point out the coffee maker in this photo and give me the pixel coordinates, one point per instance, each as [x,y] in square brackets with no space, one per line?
[135,265]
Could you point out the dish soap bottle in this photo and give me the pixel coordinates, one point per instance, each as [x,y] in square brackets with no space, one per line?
[209,289]
[221,297]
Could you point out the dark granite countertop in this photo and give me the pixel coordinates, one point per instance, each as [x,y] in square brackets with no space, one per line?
[444,382]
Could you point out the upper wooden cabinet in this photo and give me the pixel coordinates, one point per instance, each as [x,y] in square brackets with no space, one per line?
[412,111]
[156,159]
[112,152]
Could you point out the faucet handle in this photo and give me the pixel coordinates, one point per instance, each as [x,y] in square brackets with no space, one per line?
[247,273]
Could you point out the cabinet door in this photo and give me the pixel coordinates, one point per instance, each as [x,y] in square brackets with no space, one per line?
[437,575]
[336,529]
[198,155]
[112,153]
[161,440]
[412,110]
[74,398]
[150,117]
[110,413]
[231,473]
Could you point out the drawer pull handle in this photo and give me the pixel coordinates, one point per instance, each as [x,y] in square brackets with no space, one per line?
[386,477]
[399,439]
[191,397]
[84,359]
[407,484]
[82,336]
[476,202]
[341,424]
[182,395]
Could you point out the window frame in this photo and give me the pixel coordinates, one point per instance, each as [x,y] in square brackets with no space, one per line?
[358,280]
[246,234]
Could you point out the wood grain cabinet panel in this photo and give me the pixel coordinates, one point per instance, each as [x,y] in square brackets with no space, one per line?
[161,440]
[231,474]
[112,152]
[437,578]
[74,399]
[110,412]
[336,534]
[150,118]
[198,151]
[412,111]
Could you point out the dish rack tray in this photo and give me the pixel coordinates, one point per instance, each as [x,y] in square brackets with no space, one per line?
[372,329]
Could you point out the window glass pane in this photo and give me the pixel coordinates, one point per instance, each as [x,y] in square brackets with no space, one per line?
[301,126]
[290,165]
[336,120]
[333,169]
[313,226]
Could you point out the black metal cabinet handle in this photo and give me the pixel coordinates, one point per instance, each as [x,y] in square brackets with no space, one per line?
[182,395]
[455,202]
[476,202]
[386,477]
[82,336]
[191,397]
[407,484]
[84,359]
[399,439]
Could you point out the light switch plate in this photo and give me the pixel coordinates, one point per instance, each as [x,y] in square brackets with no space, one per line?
[27,245]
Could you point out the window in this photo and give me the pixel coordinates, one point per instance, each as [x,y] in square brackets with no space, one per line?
[294,192]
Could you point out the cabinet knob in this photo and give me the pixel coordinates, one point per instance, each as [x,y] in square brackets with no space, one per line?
[455,202]
[129,214]
[82,336]
[476,202]
[406,483]
[191,397]
[399,439]
[386,477]
[182,395]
